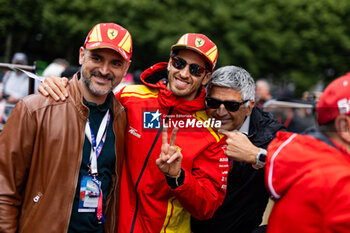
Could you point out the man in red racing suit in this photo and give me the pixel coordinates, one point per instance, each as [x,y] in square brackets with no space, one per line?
[151,201]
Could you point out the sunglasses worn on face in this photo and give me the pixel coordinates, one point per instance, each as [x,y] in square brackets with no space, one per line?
[230,105]
[195,70]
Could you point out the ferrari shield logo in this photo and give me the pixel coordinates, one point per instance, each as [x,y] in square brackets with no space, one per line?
[199,42]
[112,33]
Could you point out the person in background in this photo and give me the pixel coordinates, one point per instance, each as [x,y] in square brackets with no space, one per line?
[308,114]
[15,86]
[70,71]
[15,83]
[262,92]
[56,68]
[2,74]
[249,130]
[309,175]
[288,113]
[60,163]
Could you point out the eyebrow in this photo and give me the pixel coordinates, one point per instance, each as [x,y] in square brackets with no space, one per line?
[192,62]
[99,56]
[94,54]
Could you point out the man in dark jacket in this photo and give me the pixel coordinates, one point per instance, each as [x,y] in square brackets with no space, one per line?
[249,130]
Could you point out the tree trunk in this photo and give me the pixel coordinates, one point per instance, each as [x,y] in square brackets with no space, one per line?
[8,47]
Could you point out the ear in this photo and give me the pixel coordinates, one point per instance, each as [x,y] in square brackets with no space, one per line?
[81,55]
[169,64]
[126,67]
[206,78]
[250,107]
[342,125]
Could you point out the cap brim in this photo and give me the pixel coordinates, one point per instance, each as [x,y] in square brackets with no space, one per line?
[177,47]
[102,45]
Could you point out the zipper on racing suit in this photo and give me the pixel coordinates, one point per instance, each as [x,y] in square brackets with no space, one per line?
[144,167]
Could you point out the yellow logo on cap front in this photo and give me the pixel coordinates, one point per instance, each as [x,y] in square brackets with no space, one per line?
[199,42]
[112,33]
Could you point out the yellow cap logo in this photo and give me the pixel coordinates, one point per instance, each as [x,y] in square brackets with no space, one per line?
[112,33]
[199,42]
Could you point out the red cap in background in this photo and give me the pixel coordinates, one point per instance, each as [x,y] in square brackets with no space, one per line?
[335,100]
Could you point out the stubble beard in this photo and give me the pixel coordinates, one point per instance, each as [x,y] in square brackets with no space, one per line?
[89,85]
[173,89]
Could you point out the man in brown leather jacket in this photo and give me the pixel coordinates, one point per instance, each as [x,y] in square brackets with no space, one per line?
[60,162]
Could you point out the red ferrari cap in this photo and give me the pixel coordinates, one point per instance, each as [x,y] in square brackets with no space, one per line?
[112,36]
[335,100]
[200,44]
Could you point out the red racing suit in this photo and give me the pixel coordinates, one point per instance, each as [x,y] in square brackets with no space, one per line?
[309,178]
[148,203]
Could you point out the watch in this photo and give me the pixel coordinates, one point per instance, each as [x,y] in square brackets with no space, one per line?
[261,158]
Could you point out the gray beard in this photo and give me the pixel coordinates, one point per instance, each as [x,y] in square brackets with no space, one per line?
[93,91]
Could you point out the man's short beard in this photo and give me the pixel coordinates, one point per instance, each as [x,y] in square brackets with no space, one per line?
[93,91]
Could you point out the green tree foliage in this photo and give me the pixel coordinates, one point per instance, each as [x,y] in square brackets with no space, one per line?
[297,40]
[18,22]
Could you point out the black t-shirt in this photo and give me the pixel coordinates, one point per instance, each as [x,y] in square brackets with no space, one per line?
[82,221]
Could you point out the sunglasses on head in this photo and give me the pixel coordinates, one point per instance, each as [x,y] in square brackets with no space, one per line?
[230,105]
[195,70]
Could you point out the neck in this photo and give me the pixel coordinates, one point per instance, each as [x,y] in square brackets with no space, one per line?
[342,144]
[337,140]
[89,96]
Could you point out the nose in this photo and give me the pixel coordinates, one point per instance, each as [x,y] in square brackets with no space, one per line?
[185,72]
[104,69]
[221,111]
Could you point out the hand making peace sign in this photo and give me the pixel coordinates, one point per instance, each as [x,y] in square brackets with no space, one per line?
[169,161]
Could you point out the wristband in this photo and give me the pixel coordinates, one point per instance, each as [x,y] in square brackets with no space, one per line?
[176,181]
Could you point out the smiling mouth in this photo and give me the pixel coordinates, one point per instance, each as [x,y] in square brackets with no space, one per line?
[100,79]
[181,83]
[222,119]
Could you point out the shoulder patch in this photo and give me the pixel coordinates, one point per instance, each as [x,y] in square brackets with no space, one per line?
[202,116]
[140,91]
